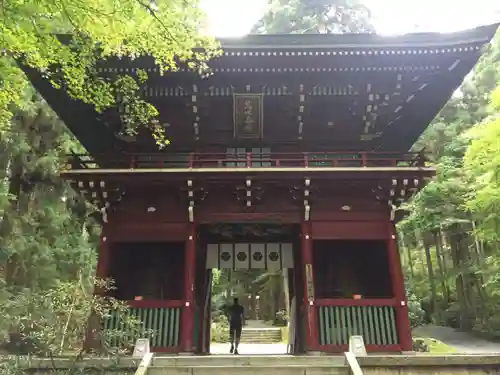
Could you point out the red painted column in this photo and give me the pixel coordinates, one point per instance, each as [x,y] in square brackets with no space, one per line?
[398,287]
[187,322]
[312,337]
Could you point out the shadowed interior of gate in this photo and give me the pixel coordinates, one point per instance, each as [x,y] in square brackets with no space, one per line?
[347,268]
[244,250]
[148,271]
[355,292]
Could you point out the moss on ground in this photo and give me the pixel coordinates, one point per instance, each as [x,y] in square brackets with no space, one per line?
[435,346]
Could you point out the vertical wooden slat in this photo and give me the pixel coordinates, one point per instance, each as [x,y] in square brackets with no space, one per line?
[167,331]
[324,328]
[371,318]
[156,327]
[343,323]
[383,325]
[377,324]
[160,328]
[366,326]
[177,326]
[392,326]
[350,322]
[163,322]
[359,316]
[332,327]
[338,326]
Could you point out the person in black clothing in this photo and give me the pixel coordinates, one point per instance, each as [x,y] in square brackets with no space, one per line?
[236,318]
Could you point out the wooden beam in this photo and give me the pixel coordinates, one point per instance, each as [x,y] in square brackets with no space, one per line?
[361,170]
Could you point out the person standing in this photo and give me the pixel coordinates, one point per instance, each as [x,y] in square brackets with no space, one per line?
[236,320]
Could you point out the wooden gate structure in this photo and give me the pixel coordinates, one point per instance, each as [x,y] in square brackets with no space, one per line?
[298,140]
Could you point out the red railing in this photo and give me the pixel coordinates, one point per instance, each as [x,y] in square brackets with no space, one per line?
[249,160]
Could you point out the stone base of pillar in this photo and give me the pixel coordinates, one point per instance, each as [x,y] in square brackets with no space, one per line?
[314,353]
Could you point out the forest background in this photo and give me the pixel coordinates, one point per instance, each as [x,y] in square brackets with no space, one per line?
[450,242]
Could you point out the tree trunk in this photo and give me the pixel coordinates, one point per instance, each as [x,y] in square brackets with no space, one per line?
[440,260]
[253,302]
[460,263]
[430,272]
[286,293]
[409,255]
[15,182]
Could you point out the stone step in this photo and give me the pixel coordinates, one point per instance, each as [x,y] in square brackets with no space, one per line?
[248,360]
[269,336]
[261,339]
[263,336]
[249,370]
[248,365]
[261,332]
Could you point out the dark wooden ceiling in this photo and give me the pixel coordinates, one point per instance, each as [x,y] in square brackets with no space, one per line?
[355,92]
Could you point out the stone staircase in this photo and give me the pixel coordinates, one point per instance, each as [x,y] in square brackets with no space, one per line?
[396,364]
[270,335]
[248,365]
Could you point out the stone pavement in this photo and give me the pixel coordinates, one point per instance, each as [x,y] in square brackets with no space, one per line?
[463,342]
[249,349]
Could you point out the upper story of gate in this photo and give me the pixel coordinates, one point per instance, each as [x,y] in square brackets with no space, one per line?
[282,101]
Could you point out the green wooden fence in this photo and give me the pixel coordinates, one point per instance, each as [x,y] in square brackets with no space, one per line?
[377,324]
[163,323]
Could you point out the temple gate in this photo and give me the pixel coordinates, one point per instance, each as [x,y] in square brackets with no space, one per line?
[305,132]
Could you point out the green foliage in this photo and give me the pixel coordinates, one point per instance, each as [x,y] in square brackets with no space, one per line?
[220,331]
[415,311]
[482,162]
[166,30]
[455,216]
[430,345]
[54,321]
[314,16]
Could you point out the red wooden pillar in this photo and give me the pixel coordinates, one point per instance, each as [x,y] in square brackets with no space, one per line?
[312,335]
[187,322]
[398,287]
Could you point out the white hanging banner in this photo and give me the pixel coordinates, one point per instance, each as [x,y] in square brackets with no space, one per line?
[286,255]
[226,255]
[241,256]
[212,255]
[258,256]
[273,258]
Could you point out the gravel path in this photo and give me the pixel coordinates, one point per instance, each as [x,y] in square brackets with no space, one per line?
[463,342]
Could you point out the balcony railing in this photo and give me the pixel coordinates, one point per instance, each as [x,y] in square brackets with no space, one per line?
[249,160]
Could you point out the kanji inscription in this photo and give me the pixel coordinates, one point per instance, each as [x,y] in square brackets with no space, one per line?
[248,115]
